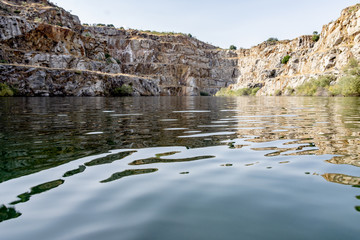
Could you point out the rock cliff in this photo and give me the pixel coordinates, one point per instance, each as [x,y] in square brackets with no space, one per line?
[42,46]
[339,41]
[45,51]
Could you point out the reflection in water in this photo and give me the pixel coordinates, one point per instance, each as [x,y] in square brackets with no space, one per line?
[109,159]
[7,213]
[24,197]
[127,173]
[265,145]
[167,160]
[342,179]
[70,173]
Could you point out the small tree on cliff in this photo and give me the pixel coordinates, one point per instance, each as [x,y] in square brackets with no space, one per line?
[315,36]
[232,47]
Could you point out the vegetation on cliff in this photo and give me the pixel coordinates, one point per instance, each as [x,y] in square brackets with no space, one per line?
[123,91]
[5,90]
[238,92]
[348,85]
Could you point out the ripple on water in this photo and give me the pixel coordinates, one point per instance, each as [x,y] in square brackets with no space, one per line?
[267,168]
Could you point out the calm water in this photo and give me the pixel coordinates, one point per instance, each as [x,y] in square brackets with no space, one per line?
[179,168]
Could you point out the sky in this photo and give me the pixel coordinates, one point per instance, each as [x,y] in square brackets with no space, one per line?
[243,23]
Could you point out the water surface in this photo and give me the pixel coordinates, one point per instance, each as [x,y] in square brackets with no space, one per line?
[179,168]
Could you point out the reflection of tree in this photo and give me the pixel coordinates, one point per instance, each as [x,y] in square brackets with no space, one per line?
[127,173]
[70,173]
[24,197]
[7,213]
[109,159]
[167,160]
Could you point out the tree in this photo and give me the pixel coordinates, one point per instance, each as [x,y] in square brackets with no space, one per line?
[232,47]
[315,36]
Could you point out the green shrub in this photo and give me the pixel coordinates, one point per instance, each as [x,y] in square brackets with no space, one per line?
[353,63]
[204,93]
[315,36]
[238,92]
[111,25]
[124,90]
[189,35]
[272,40]
[107,55]
[232,47]
[5,90]
[254,91]
[313,86]
[243,92]
[349,85]
[100,25]
[289,91]
[286,59]
[3,61]
[278,92]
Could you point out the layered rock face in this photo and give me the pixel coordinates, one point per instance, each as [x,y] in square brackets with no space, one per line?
[39,39]
[339,41]
[48,40]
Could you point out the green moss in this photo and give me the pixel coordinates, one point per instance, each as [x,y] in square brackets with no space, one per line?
[124,90]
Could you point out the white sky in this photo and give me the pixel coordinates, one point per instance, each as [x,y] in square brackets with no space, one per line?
[243,23]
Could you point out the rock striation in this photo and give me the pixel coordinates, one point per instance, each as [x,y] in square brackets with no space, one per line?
[45,51]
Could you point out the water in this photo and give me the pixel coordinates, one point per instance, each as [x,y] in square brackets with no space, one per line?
[179,168]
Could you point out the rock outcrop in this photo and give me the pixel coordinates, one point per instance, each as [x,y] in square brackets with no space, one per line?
[39,39]
[339,41]
[48,40]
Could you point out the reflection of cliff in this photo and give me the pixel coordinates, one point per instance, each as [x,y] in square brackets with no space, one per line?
[7,213]
[54,131]
[342,179]
[330,124]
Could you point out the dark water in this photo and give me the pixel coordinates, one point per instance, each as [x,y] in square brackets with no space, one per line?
[179,168]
